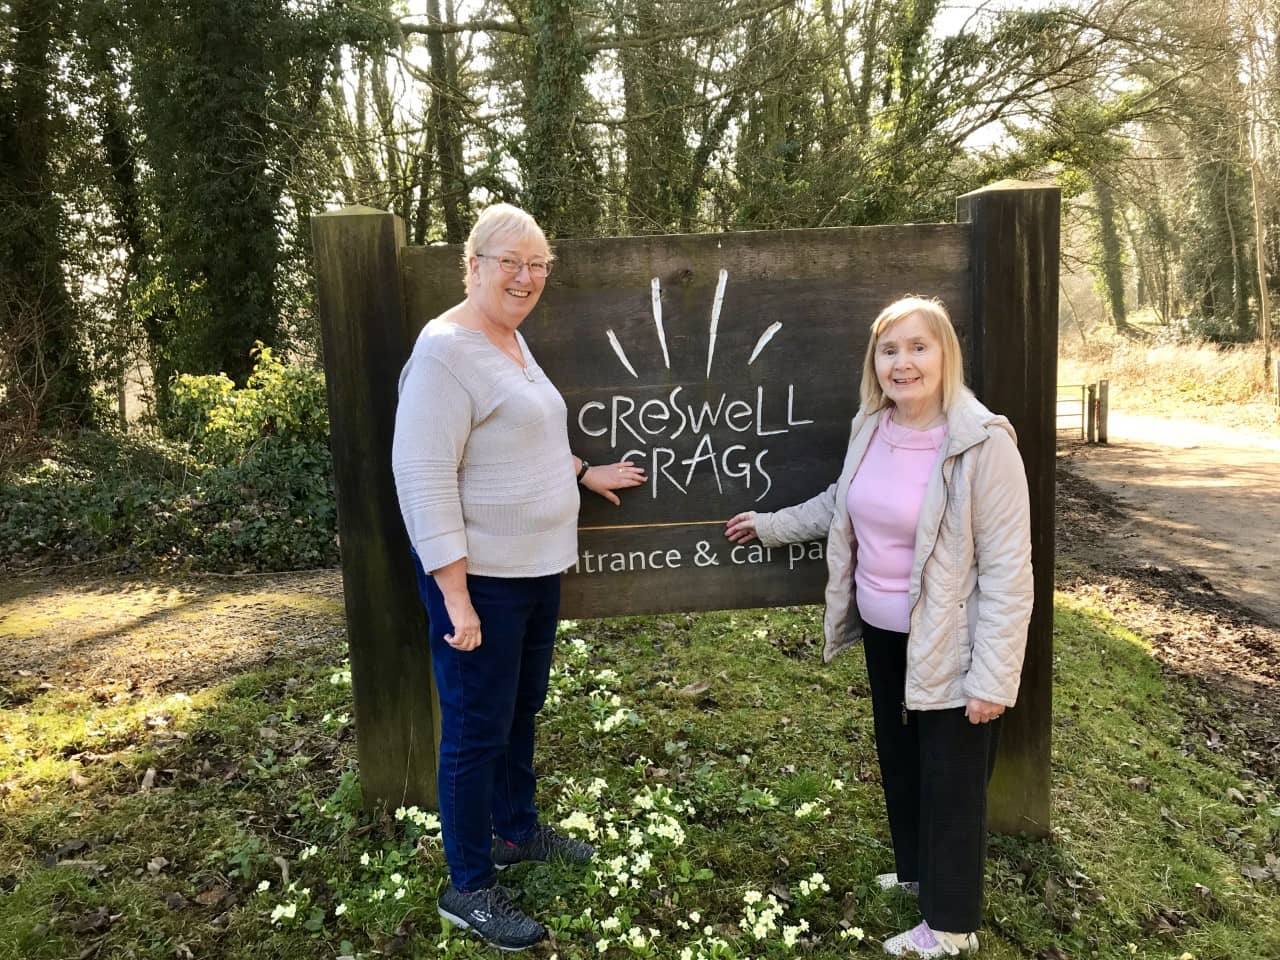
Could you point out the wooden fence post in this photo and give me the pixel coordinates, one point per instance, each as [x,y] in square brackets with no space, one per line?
[362,323]
[1091,413]
[1014,237]
[1104,404]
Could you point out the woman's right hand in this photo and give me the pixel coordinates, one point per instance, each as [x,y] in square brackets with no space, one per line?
[742,528]
[452,581]
[466,624]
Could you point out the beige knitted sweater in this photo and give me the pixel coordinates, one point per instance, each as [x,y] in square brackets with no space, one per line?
[481,458]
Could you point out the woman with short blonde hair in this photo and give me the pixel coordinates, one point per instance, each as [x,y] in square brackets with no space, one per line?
[488,489]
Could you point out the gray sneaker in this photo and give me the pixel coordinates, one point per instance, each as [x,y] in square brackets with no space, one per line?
[545,843]
[491,914]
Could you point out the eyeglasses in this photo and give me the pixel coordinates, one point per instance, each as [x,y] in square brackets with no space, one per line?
[513,265]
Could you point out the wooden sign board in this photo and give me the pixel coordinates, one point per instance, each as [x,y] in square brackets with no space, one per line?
[740,398]
[728,367]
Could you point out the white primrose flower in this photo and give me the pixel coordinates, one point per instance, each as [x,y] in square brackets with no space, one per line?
[284,911]
[615,720]
[579,822]
[602,945]
[814,884]
[609,924]
[396,879]
[264,885]
[616,865]
[686,953]
[665,827]
[837,785]
[695,916]
[400,893]
[340,909]
[364,859]
[812,810]
[752,896]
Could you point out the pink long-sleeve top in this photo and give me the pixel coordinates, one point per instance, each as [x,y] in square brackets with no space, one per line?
[884,504]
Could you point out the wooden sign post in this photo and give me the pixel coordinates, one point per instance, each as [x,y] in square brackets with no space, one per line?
[728,365]
[1014,275]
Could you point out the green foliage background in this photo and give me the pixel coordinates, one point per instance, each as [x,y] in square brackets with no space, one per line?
[249,488]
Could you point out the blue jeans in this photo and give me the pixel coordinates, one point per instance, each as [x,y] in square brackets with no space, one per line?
[489,698]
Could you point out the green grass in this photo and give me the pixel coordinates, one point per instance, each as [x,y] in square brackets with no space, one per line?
[725,725]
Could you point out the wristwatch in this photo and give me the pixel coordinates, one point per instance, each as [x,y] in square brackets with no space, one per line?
[585,467]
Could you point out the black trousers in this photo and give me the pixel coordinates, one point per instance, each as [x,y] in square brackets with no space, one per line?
[934,765]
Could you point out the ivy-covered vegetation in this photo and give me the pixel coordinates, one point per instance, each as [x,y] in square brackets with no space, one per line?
[245,484]
[160,161]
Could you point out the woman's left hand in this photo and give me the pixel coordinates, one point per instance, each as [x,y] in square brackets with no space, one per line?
[982,711]
[613,476]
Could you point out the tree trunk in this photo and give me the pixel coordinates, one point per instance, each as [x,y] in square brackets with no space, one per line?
[36,313]
[454,192]
[1112,265]
[1264,306]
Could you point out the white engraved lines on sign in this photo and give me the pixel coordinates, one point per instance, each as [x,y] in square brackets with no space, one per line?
[617,348]
[764,340]
[655,291]
[716,304]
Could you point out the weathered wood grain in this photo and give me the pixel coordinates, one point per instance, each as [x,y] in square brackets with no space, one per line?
[823,286]
[362,325]
[1015,229]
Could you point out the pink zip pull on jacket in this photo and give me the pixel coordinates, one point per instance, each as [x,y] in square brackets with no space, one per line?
[971,581]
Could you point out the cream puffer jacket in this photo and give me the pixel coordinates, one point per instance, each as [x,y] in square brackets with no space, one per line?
[971,583]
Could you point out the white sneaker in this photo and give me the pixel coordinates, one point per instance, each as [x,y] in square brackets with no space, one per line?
[890,881]
[925,943]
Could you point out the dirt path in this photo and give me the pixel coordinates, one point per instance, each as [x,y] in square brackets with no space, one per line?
[1196,496]
[161,633]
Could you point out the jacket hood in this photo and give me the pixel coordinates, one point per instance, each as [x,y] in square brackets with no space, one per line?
[969,423]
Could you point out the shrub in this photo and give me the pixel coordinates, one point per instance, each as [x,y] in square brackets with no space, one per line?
[222,422]
[249,487]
